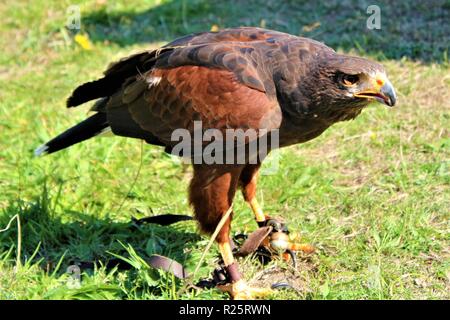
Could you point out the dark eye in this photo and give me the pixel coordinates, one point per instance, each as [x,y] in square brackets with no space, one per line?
[350,79]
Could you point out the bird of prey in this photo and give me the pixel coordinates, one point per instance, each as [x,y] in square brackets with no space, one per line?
[239,79]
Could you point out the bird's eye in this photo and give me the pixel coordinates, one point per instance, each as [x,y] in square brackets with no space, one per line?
[350,79]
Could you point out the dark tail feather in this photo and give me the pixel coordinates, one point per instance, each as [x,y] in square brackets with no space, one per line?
[114,77]
[92,90]
[86,129]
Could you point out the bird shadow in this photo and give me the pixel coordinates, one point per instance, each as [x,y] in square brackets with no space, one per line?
[60,239]
[412,29]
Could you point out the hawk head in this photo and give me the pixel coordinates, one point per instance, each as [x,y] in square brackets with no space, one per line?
[349,81]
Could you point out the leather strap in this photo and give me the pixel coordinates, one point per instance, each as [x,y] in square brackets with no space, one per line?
[163,219]
[254,240]
[233,272]
[155,261]
[168,265]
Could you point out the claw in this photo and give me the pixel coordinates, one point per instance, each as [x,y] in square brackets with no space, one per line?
[273,239]
[306,248]
[240,290]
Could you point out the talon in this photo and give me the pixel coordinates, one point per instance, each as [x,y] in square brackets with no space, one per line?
[240,290]
[287,256]
[277,225]
[280,239]
[306,248]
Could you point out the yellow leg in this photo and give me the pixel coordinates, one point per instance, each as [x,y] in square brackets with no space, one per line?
[257,210]
[238,288]
[226,253]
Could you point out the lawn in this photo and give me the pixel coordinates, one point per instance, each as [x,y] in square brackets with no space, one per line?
[372,194]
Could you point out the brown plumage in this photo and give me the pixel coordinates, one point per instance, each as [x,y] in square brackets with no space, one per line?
[244,78]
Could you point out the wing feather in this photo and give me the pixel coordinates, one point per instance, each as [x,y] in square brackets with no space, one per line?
[189,93]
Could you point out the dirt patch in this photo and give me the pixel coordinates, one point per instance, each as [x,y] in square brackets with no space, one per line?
[295,278]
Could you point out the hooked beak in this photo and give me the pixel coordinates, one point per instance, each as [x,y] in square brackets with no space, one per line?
[381,90]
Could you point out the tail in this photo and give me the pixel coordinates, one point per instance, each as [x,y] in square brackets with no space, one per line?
[116,75]
[92,126]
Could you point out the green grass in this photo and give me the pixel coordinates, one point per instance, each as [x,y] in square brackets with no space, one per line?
[371,194]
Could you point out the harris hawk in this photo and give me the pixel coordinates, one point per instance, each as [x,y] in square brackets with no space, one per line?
[238,79]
